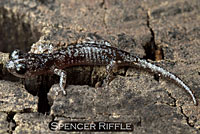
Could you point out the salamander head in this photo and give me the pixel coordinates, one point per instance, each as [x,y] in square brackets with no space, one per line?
[17,64]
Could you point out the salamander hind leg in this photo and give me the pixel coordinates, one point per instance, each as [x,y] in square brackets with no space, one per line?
[63,78]
[109,69]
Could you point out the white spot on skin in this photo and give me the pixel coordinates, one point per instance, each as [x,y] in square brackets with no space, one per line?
[10,65]
[76,53]
[18,60]
[97,53]
[101,55]
[88,53]
[81,53]
[63,52]
[114,53]
[15,55]
[51,47]
[69,52]
[107,43]
[119,61]
[107,60]
[79,45]
[91,42]
[110,51]
[89,50]
[18,66]
[105,50]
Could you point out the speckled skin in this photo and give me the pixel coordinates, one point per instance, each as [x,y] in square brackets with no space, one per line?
[90,53]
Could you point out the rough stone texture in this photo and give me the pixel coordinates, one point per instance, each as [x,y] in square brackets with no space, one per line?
[31,122]
[14,98]
[4,124]
[175,25]
[156,30]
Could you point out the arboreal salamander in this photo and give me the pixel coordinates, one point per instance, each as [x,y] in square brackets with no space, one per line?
[88,53]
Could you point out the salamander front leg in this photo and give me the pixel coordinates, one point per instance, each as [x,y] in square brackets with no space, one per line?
[63,78]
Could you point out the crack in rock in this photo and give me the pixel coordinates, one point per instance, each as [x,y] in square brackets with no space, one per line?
[102,5]
[12,124]
[152,50]
[187,118]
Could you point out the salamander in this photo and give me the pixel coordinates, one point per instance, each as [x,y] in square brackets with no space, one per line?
[88,53]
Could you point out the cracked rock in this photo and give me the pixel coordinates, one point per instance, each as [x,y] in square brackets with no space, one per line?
[151,104]
[14,98]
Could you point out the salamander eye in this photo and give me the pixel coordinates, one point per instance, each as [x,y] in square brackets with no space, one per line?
[20,69]
[15,54]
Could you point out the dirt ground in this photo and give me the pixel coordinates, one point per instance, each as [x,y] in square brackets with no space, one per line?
[165,32]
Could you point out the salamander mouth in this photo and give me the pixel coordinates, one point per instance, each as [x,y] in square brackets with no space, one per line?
[11,67]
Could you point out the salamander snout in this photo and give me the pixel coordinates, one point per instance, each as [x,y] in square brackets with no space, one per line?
[17,65]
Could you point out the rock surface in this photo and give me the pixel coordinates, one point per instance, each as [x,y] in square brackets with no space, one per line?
[164,31]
